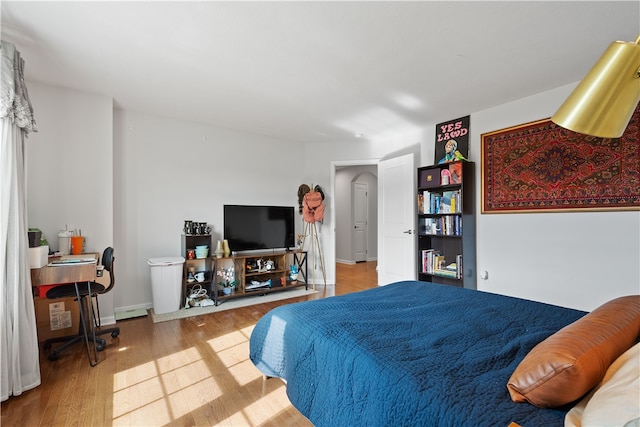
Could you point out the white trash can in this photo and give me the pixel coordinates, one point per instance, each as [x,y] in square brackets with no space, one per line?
[166,283]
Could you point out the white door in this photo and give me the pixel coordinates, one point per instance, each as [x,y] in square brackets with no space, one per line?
[360,220]
[396,219]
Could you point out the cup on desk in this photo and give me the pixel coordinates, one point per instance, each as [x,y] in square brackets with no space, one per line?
[77,245]
[64,242]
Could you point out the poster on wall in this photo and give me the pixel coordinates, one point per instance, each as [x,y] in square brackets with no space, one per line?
[452,140]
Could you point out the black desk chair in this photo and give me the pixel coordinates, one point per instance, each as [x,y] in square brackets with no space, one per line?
[84,293]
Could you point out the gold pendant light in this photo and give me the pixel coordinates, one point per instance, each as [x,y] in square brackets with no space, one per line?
[604,101]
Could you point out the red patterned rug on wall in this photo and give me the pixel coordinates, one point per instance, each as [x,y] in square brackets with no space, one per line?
[540,166]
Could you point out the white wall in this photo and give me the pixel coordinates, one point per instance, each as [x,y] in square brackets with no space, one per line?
[168,171]
[578,260]
[70,169]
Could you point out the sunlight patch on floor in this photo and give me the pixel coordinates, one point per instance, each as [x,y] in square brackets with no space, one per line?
[245,372]
[141,415]
[161,389]
[247,331]
[174,387]
[233,355]
[188,375]
[132,376]
[251,414]
[194,396]
[268,404]
[131,399]
[178,360]
[226,341]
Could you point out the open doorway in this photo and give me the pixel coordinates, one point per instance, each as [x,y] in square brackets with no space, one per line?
[356,213]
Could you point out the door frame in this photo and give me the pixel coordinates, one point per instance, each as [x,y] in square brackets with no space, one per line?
[332,182]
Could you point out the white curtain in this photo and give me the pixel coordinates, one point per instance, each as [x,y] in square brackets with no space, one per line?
[19,359]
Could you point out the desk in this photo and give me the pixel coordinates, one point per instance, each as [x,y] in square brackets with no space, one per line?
[63,274]
[71,273]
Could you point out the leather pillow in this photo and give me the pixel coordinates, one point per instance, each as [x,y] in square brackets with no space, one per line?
[569,363]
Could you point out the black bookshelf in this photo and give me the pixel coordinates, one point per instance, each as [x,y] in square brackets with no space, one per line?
[447,224]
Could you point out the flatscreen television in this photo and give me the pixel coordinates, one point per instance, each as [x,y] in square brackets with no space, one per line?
[249,227]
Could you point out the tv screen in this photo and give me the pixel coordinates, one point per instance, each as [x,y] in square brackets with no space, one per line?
[259,227]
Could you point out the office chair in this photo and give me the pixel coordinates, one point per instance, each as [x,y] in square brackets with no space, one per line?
[84,293]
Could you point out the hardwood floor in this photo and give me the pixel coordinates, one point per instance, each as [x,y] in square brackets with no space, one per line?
[189,372]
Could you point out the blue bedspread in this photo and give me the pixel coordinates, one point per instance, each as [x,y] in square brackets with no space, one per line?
[407,354]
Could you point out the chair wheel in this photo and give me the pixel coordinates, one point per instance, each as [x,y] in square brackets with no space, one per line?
[52,357]
[115,334]
[99,347]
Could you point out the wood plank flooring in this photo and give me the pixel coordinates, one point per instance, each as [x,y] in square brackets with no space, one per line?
[189,372]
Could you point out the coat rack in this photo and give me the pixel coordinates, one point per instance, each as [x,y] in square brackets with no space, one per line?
[311,230]
[311,204]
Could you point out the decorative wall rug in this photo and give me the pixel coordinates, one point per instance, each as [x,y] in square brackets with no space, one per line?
[230,304]
[540,166]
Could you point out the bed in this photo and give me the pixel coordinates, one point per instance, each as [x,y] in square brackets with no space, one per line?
[416,353]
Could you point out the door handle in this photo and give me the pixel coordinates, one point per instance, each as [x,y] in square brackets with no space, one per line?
[408,231]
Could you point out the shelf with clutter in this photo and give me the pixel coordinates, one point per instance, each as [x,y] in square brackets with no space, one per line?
[258,273]
[197,275]
[213,276]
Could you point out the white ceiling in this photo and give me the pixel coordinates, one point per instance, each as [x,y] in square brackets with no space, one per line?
[314,71]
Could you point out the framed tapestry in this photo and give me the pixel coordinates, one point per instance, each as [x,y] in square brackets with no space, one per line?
[542,167]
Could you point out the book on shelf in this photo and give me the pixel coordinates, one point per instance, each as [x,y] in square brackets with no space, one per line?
[459,266]
[443,202]
[428,256]
[431,202]
[425,260]
[445,225]
[433,262]
[428,226]
[444,272]
[451,202]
